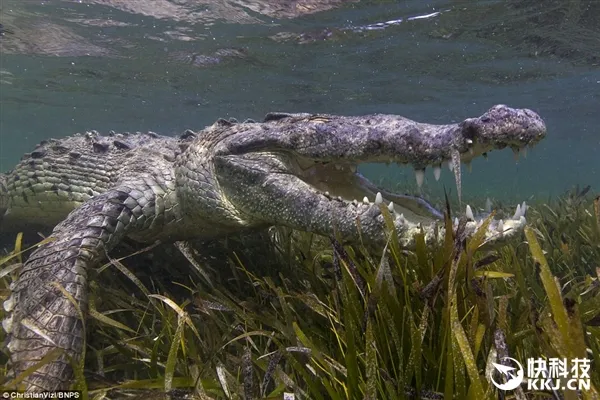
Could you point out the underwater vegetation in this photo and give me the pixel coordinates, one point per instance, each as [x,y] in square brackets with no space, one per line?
[294,313]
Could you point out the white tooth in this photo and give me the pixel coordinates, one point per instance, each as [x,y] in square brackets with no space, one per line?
[327,194]
[420,175]
[9,304]
[469,213]
[523,152]
[522,220]
[450,165]
[355,202]
[500,226]
[456,221]
[7,324]
[517,212]
[378,198]
[437,172]
[391,206]
[469,141]
[366,200]
[488,205]
[523,208]
[457,175]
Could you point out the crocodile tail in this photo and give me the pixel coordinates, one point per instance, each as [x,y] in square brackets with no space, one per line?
[48,304]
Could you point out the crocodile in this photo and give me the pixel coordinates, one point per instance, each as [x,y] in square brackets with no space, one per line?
[292,169]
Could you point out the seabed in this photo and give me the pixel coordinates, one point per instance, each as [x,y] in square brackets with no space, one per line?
[290,314]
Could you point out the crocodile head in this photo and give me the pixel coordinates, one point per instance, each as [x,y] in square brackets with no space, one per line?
[300,170]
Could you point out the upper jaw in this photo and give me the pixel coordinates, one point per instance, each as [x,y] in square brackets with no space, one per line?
[424,145]
[375,138]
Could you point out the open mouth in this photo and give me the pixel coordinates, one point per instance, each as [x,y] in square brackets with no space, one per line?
[422,146]
[342,181]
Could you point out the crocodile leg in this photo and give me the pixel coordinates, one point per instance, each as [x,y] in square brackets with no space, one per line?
[42,317]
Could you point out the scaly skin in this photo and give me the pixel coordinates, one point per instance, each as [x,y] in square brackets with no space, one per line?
[288,170]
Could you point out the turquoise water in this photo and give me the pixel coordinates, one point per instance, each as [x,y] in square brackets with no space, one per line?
[165,66]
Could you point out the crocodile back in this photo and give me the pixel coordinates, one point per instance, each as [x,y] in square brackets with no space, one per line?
[60,174]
